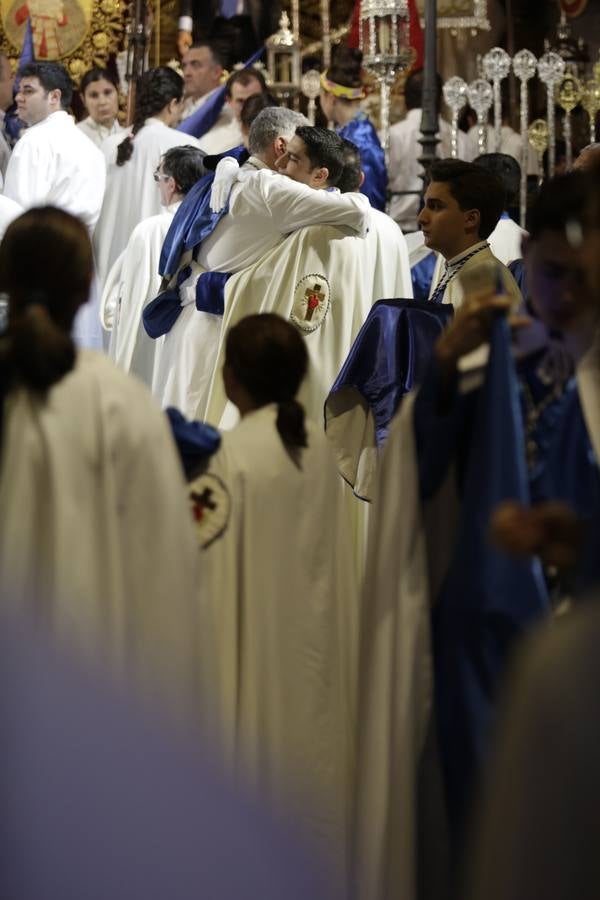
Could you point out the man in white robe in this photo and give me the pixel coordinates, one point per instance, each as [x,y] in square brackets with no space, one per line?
[53,162]
[202,69]
[350,272]
[264,207]
[227,131]
[134,279]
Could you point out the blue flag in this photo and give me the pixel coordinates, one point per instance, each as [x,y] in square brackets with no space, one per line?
[12,124]
[488,599]
[204,118]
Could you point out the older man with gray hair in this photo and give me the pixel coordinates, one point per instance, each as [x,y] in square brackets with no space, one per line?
[264,207]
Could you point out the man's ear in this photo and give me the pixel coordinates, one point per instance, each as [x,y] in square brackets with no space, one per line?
[472,220]
[55,95]
[362,179]
[279,146]
[321,176]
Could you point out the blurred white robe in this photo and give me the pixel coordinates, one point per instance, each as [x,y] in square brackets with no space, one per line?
[280,616]
[133,282]
[95,536]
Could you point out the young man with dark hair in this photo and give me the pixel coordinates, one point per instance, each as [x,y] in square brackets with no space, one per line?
[463,204]
[226,133]
[53,162]
[202,68]
[314,156]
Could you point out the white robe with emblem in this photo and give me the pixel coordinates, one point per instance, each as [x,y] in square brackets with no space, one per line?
[133,282]
[95,536]
[351,273]
[131,192]
[280,617]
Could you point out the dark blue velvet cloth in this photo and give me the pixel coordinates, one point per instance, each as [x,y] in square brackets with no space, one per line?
[488,600]
[362,133]
[196,441]
[390,355]
[159,316]
[210,292]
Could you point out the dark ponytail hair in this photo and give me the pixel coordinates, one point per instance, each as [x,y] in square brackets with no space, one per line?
[37,350]
[154,90]
[268,358]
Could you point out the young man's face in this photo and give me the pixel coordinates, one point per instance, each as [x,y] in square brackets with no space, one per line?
[200,72]
[241,92]
[559,280]
[296,165]
[34,104]
[442,221]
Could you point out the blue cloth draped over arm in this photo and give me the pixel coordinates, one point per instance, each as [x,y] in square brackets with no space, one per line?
[362,133]
[390,356]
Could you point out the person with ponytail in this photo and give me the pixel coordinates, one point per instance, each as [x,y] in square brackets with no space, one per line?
[342,92]
[132,160]
[277,591]
[94,530]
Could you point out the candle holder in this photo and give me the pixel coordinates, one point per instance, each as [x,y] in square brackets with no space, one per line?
[524,67]
[310,85]
[385,44]
[481,97]
[283,60]
[590,100]
[496,66]
[455,96]
[551,69]
[568,96]
[538,138]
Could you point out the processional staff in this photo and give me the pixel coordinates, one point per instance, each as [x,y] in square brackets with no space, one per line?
[138,34]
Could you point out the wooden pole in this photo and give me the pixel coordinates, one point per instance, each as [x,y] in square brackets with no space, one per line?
[429,119]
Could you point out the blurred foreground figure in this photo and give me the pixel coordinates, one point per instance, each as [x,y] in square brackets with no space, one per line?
[278,591]
[99,801]
[94,533]
[539,834]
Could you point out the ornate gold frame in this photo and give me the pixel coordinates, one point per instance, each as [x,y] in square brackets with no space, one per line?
[462,14]
[102,38]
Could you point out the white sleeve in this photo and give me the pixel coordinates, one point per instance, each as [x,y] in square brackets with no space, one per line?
[27,179]
[293,205]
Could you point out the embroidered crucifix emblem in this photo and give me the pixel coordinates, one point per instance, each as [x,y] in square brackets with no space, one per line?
[313,297]
[202,502]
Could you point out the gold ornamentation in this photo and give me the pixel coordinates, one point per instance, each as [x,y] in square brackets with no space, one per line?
[77,33]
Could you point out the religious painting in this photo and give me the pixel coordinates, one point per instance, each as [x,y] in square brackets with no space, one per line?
[457,14]
[79,33]
[58,26]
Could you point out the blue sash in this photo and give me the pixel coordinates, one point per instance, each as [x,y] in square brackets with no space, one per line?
[361,132]
[196,441]
[421,276]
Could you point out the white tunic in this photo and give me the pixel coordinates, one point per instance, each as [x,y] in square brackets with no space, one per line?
[224,135]
[54,163]
[404,168]
[280,614]
[131,192]
[454,292]
[97,132]
[94,528]
[132,282]
[265,206]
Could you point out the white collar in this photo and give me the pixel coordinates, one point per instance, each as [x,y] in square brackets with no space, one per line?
[474,248]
